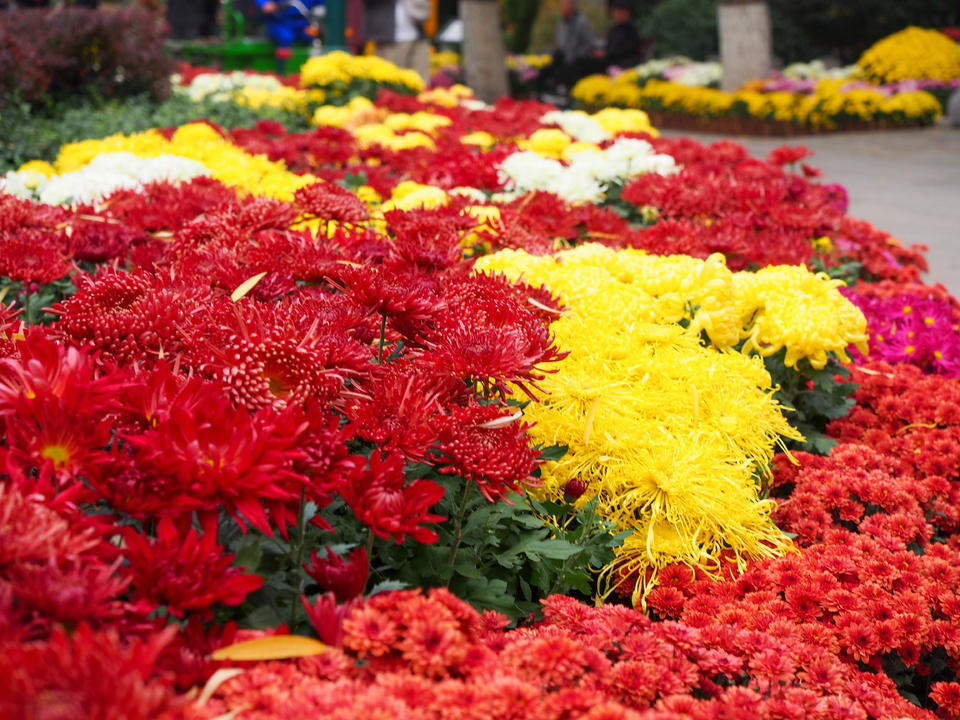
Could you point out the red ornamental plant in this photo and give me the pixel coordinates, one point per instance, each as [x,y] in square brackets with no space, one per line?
[434,656]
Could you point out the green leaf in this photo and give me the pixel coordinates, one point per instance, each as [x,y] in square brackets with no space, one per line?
[534,548]
[553,452]
[386,586]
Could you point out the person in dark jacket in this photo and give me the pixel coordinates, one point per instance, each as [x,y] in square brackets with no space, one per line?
[623,47]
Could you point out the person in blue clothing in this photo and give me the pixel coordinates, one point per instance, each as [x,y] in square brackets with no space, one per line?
[286,25]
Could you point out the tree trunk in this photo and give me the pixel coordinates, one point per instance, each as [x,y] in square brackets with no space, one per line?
[746,43]
[484,58]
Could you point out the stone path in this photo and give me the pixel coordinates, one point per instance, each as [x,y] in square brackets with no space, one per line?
[906,182]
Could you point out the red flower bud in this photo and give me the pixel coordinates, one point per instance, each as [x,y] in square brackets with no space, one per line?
[345,578]
[574,489]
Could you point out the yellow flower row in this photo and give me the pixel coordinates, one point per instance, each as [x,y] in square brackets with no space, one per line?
[911,54]
[340,68]
[827,106]
[229,164]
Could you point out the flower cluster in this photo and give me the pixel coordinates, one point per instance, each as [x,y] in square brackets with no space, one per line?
[589,172]
[656,424]
[759,214]
[432,656]
[337,73]
[248,377]
[912,53]
[830,105]
[913,327]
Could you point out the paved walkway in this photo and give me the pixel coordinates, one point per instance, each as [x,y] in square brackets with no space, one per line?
[906,182]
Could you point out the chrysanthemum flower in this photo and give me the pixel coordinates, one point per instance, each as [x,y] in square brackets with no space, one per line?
[381,499]
[184,571]
[86,673]
[54,404]
[274,357]
[210,456]
[329,201]
[32,256]
[488,446]
[346,579]
[129,317]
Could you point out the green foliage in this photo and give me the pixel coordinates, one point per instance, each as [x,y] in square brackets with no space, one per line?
[507,555]
[31,133]
[808,29]
[518,17]
[848,270]
[33,300]
[914,681]
[636,216]
[812,398]
[503,556]
[683,27]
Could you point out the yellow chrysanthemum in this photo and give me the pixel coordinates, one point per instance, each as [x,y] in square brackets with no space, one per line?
[335,69]
[669,435]
[548,142]
[616,121]
[480,138]
[39,167]
[425,122]
[410,195]
[911,54]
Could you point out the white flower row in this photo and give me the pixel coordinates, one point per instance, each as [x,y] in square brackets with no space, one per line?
[105,174]
[588,174]
[221,85]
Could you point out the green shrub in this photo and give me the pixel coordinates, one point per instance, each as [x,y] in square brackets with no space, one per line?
[68,52]
[31,133]
[683,27]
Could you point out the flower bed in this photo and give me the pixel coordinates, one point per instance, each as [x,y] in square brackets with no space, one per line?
[359,420]
[902,81]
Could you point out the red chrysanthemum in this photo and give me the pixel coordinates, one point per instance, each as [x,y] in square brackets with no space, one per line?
[276,357]
[32,256]
[207,455]
[489,446]
[346,579]
[401,412]
[184,571]
[381,498]
[127,316]
[86,674]
[54,405]
[494,341]
[329,201]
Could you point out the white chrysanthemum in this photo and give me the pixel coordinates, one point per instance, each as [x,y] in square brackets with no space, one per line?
[588,174]
[637,157]
[578,125]
[21,183]
[112,171]
[220,85]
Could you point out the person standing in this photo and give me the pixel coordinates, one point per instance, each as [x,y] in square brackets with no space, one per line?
[397,29]
[624,47]
[573,54]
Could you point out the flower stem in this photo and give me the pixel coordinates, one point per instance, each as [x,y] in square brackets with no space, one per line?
[458,528]
[369,544]
[383,337]
[301,533]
